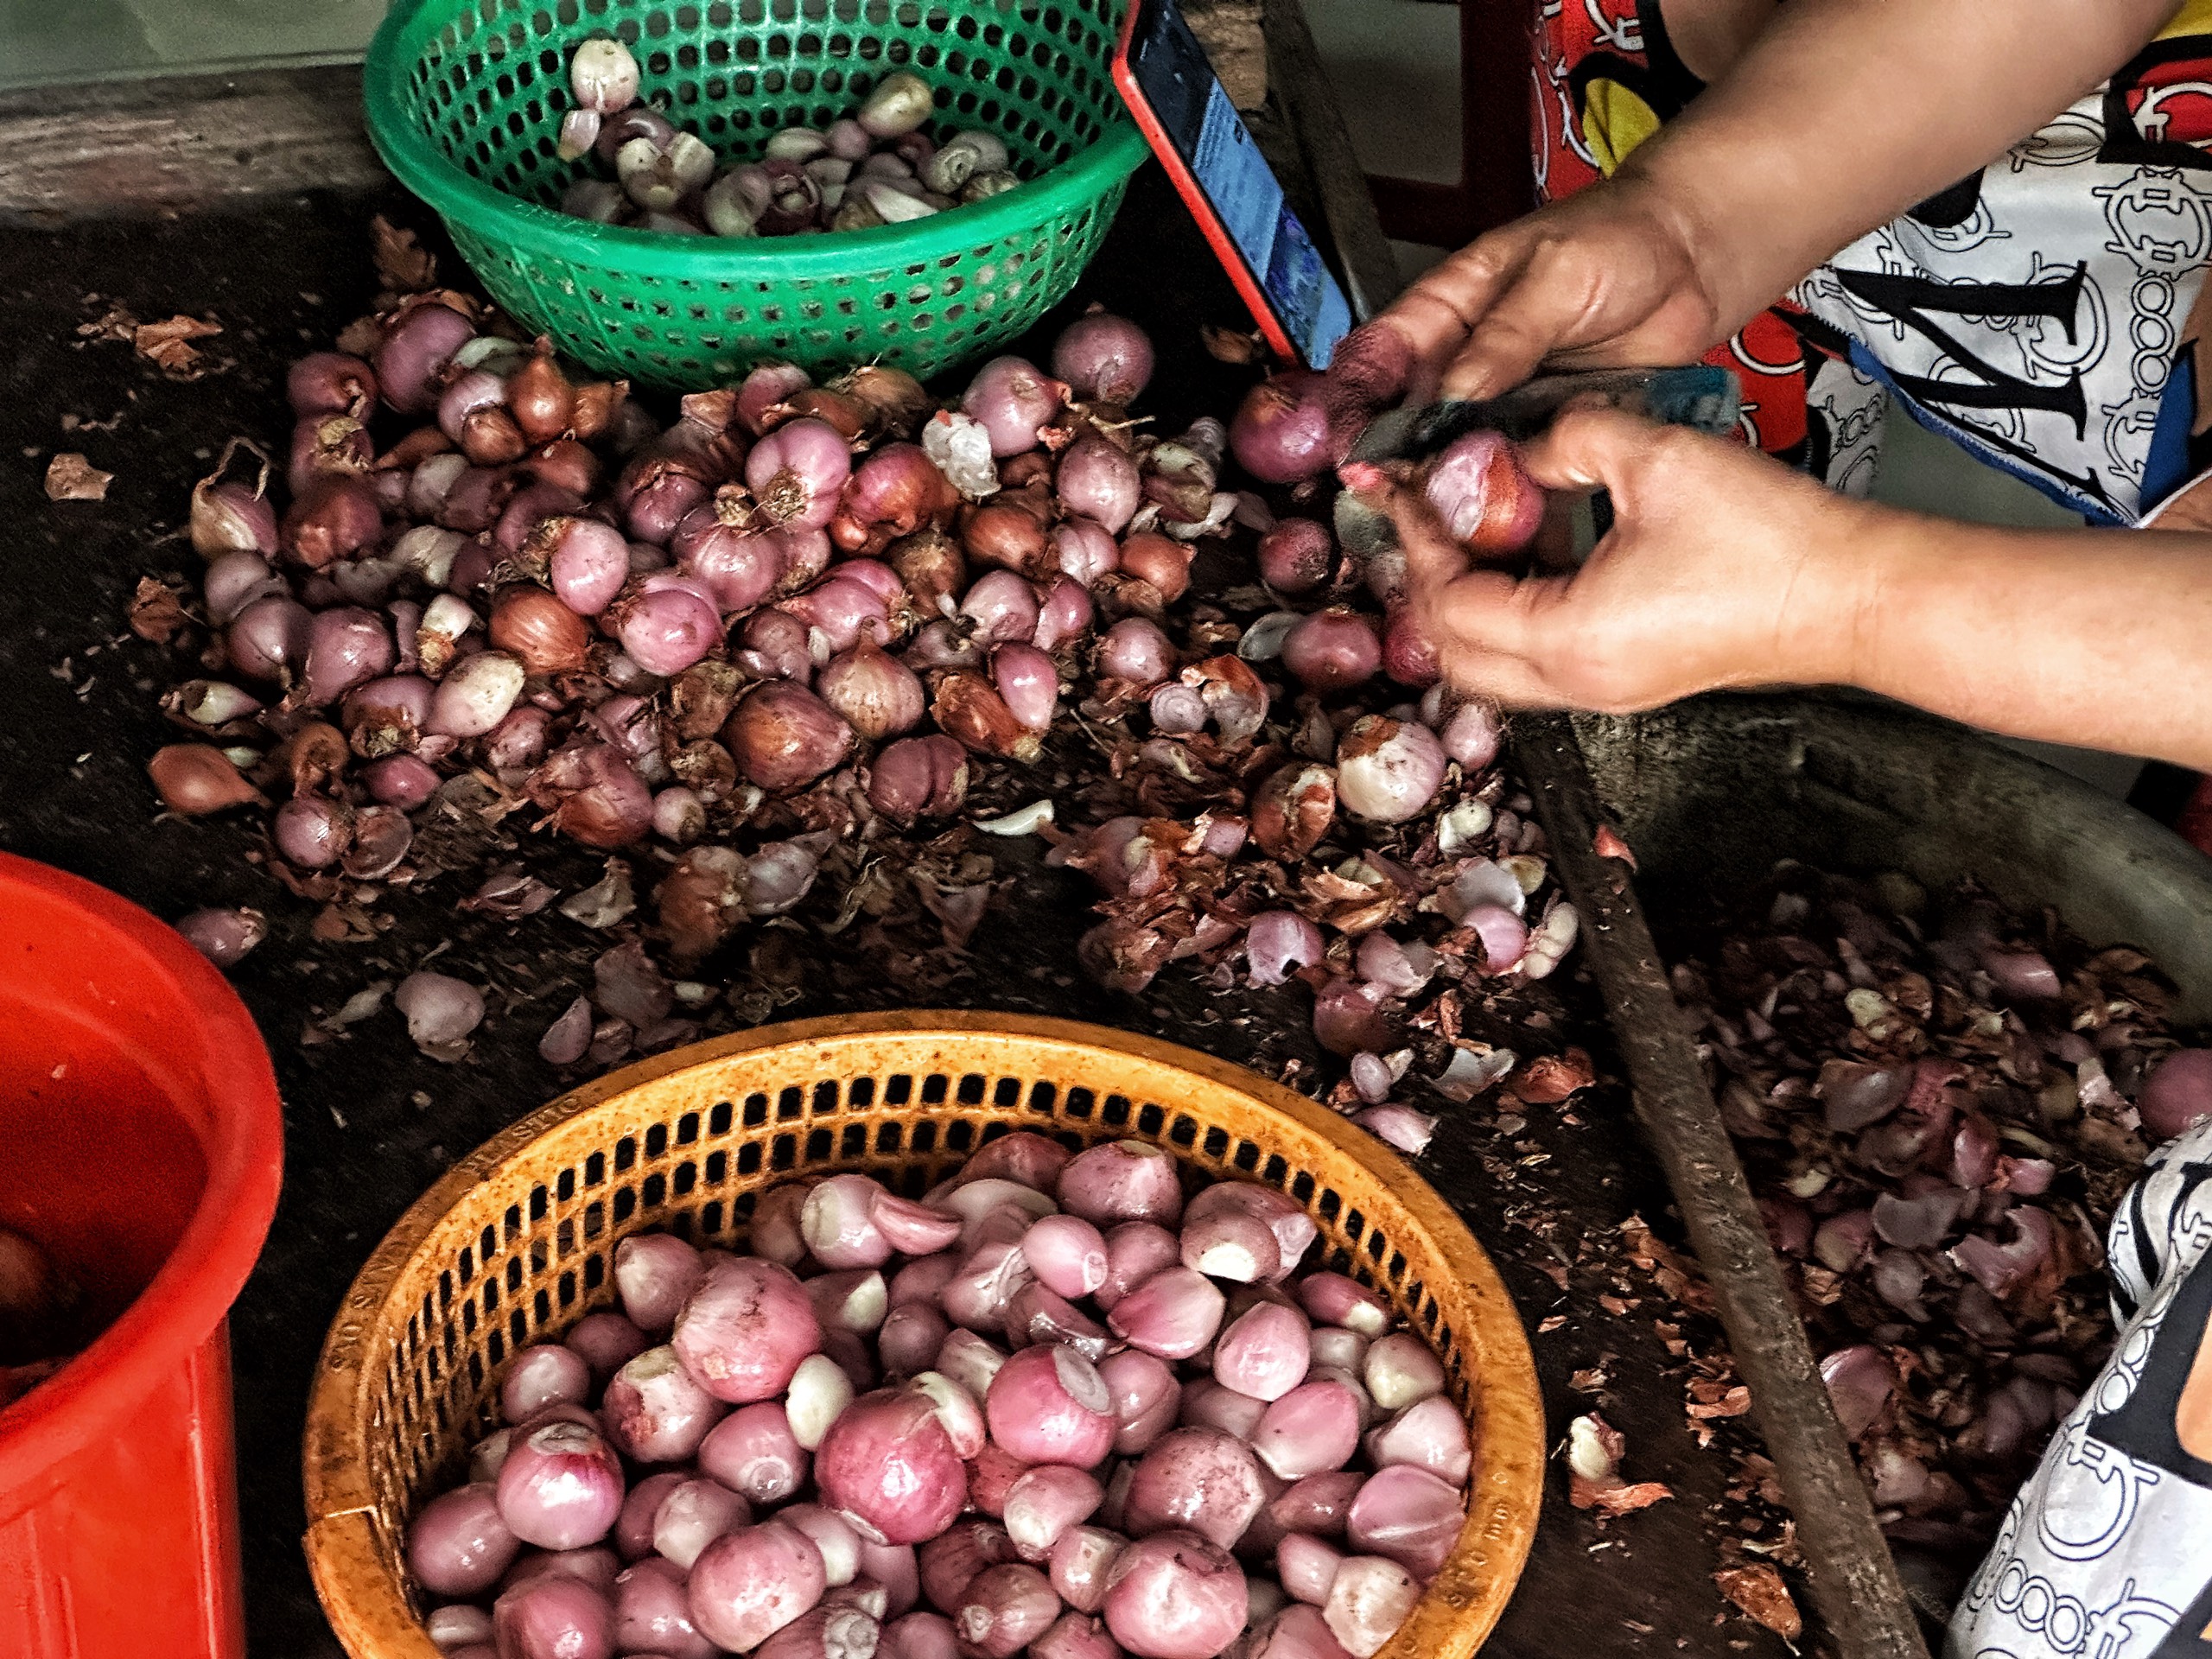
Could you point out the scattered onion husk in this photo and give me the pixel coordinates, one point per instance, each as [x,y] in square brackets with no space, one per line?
[789,637]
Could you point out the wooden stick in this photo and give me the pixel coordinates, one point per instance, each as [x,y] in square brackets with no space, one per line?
[1309,105]
[1854,1580]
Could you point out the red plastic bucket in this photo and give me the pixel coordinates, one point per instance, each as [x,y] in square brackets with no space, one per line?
[142,1143]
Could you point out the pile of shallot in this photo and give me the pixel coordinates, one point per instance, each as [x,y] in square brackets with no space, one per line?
[41,1322]
[1940,1108]
[876,167]
[1058,1404]
[779,642]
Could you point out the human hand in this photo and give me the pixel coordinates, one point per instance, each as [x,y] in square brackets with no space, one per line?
[1722,569]
[1607,278]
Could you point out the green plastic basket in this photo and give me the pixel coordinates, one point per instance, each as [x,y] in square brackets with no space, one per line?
[465,101]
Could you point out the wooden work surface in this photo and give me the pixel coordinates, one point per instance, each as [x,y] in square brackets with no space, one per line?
[370,1122]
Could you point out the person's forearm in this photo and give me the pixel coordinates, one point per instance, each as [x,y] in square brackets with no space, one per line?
[2101,638]
[1844,113]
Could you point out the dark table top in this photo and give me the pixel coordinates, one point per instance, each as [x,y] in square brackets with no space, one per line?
[370,1122]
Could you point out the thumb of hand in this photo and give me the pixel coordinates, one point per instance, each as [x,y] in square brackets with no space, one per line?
[1431,557]
[1591,449]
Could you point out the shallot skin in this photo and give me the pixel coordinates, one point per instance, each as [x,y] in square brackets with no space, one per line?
[543,1376]
[748,1585]
[1121,1180]
[745,1330]
[561,1487]
[655,1273]
[1406,1515]
[655,1412]
[458,1545]
[652,1613]
[753,1451]
[1175,1596]
[887,1466]
[1198,1479]
[1004,1608]
[554,1617]
[1047,1404]
[1487,502]
[1104,356]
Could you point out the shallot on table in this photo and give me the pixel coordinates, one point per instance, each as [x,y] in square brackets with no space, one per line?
[1032,1499]
[787,650]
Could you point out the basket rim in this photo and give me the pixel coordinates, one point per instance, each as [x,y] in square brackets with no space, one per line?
[456,193]
[372,1617]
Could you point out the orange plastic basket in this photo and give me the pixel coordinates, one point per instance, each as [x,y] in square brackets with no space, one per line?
[142,1143]
[511,1248]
